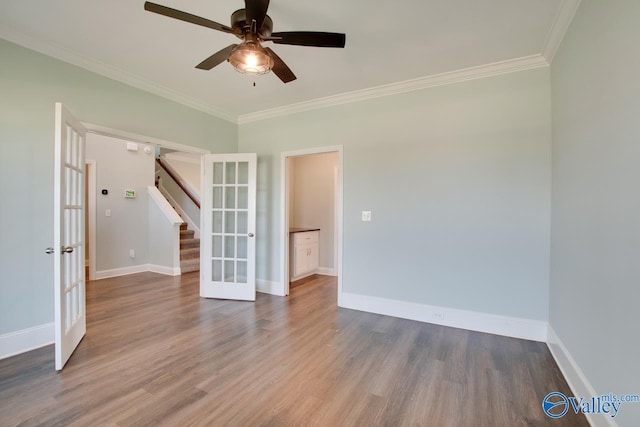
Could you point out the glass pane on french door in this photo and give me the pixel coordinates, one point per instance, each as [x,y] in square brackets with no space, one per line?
[229,215]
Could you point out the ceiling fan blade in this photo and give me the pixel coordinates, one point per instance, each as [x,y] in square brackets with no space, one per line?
[256,9]
[184,16]
[280,69]
[309,38]
[217,58]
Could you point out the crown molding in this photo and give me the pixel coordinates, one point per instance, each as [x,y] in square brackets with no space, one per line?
[473,73]
[559,27]
[109,71]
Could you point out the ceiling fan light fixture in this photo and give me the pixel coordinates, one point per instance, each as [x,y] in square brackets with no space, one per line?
[251,58]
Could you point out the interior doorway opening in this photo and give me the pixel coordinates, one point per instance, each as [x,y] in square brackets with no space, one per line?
[93,193]
[311,215]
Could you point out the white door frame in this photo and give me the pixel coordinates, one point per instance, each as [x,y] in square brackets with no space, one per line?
[284,213]
[134,137]
[92,202]
[90,206]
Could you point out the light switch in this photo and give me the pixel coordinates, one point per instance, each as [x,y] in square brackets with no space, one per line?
[366,215]
[107,212]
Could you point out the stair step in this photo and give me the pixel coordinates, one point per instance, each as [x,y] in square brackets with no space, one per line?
[190,252]
[189,266]
[189,257]
[187,234]
[189,243]
[183,226]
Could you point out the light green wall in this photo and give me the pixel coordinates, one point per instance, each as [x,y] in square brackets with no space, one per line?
[162,234]
[595,251]
[457,178]
[116,170]
[30,84]
[180,197]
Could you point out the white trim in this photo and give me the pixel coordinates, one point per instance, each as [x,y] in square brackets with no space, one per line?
[472,73]
[561,22]
[535,330]
[142,268]
[185,218]
[134,137]
[91,207]
[166,208]
[283,288]
[109,71]
[486,70]
[26,340]
[161,269]
[115,272]
[300,277]
[267,287]
[326,271]
[578,382]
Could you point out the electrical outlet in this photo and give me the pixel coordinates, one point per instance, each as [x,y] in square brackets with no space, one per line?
[107,212]
[132,253]
[366,215]
[439,315]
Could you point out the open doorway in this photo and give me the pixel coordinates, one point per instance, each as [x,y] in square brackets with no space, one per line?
[117,230]
[311,215]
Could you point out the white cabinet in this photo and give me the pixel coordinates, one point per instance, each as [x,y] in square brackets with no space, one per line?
[305,255]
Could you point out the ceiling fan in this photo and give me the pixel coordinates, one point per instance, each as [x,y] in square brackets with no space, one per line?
[253,26]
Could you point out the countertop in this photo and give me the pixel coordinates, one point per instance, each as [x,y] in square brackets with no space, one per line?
[302,230]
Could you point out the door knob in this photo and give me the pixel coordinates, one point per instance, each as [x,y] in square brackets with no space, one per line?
[49,251]
[67,249]
[250,234]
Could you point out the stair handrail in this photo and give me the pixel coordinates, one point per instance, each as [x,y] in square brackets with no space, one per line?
[178,180]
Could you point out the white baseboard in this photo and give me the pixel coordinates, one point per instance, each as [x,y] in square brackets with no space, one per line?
[578,383]
[142,268]
[535,330]
[161,269]
[26,339]
[268,287]
[326,271]
[105,274]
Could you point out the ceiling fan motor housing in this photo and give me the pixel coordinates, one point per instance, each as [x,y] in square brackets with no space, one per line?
[241,27]
[249,56]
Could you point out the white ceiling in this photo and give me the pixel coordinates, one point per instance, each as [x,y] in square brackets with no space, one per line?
[387,42]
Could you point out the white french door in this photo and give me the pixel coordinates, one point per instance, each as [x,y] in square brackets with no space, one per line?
[68,249]
[228,218]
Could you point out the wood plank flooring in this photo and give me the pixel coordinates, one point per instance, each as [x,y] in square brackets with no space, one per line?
[157,354]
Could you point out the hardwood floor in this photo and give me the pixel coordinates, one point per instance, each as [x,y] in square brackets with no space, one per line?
[155,353]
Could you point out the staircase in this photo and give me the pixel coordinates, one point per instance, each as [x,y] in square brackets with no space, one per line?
[189,245]
[189,250]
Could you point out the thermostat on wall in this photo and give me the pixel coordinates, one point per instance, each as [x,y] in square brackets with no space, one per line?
[130,194]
